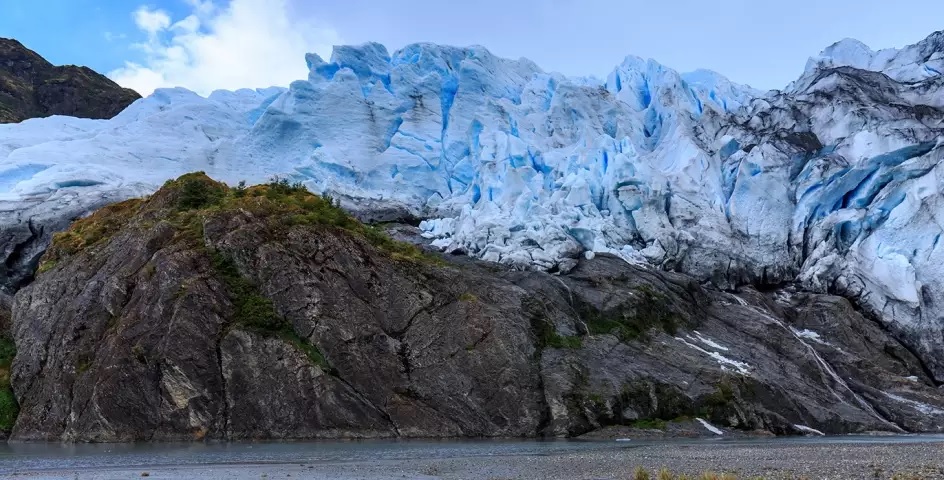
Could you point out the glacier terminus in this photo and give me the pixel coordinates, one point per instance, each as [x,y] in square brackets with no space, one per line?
[834,182]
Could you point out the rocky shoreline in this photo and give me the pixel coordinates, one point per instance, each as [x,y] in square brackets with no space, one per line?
[832,458]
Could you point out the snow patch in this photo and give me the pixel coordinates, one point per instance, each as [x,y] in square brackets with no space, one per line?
[808,430]
[919,406]
[725,362]
[808,334]
[740,301]
[709,342]
[711,428]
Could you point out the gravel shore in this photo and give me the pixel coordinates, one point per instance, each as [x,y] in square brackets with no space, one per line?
[872,460]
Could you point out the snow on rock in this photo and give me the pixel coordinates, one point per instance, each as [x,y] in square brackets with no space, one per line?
[707,341]
[809,335]
[808,430]
[725,362]
[835,181]
[711,428]
[919,406]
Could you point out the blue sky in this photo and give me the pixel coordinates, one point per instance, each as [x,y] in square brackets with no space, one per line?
[76,31]
[207,44]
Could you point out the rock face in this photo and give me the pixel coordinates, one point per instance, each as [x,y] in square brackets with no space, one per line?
[31,87]
[833,182]
[6,304]
[267,313]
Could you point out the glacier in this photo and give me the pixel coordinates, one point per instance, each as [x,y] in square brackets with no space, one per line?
[833,182]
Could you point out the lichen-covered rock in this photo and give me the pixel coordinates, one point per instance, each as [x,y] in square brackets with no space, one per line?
[206,312]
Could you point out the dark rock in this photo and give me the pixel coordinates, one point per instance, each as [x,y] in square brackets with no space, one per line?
[234,323]
[31,87]
[265,375]
[6,304]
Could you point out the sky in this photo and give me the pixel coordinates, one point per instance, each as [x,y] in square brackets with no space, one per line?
[204,45]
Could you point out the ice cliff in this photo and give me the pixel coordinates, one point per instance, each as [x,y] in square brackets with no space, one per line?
[834,181]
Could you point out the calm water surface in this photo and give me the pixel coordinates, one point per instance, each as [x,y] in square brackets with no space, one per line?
[34,458]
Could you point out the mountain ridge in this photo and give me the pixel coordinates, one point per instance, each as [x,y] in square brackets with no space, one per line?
[31,87]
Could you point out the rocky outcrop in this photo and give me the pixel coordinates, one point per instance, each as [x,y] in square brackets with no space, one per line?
[206,312]
[31,87]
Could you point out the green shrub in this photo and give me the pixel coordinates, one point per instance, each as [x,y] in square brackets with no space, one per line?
[310,350]
[649,424]
[564,341]
[239,190]
[8,409]
[7,351]
[633,322]
[547,336]
[468,297]
[257,313]
[252,309]
[8,406]
[199,191]
[721,400]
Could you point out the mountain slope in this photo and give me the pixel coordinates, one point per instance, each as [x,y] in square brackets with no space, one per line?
[832,183]
[205,312]
[31,87]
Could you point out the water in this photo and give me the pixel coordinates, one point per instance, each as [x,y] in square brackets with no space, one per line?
[26,457]
[42,460]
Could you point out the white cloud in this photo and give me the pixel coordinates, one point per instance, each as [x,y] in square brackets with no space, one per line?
[151,21]
[245,43]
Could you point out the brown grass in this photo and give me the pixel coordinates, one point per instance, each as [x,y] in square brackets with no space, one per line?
[189,200]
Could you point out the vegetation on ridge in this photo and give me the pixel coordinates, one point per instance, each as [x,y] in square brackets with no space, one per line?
[190,199]
[86,232]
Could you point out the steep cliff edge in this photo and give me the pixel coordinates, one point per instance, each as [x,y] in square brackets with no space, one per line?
[209,312]
[31,87]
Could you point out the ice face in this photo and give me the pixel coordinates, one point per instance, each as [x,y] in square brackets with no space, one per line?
[833,181]
[913,63]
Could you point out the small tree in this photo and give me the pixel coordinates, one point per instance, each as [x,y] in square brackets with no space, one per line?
[198,193]
[240,190]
